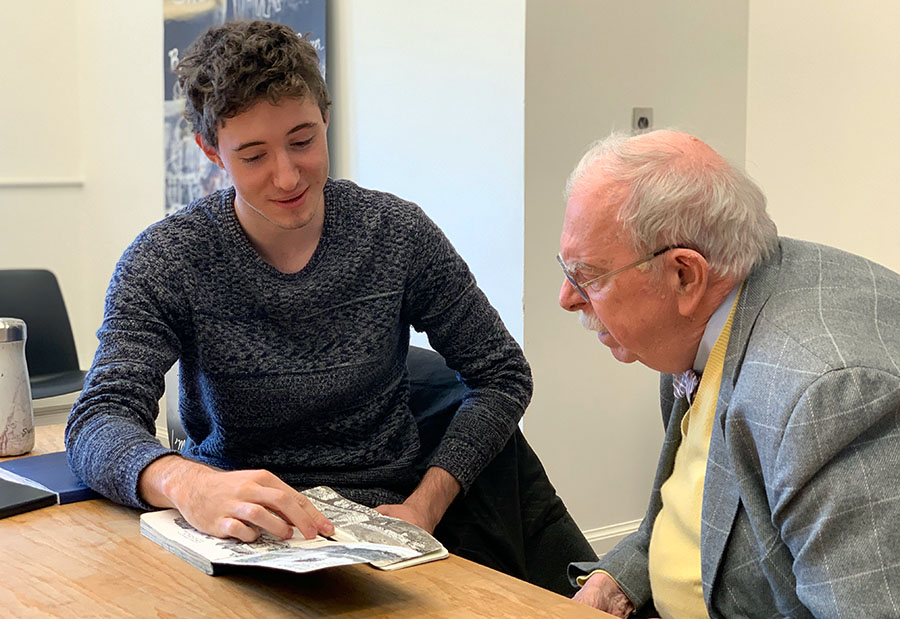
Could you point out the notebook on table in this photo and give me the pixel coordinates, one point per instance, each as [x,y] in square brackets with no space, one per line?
[16,498]
[48,472]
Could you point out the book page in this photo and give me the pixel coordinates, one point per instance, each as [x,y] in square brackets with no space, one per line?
[169,529]
[365,524]
[362,535]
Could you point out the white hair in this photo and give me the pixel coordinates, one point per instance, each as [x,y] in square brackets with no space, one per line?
[674,198]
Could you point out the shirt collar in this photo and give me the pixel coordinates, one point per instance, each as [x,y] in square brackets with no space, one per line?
[713,329]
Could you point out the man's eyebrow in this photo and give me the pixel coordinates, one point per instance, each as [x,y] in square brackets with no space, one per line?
[584,266]
[247,145]
[302,126]
[299,127]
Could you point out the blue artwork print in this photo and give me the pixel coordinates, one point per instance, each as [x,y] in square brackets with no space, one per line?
[189,174]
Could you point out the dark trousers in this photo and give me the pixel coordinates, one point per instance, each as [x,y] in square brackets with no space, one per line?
[512,520]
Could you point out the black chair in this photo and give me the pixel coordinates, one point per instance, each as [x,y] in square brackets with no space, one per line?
[33,295]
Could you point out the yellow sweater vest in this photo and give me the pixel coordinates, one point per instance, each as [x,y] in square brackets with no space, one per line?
[674,559]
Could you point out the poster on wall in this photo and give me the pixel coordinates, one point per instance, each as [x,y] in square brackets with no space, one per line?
[189,174]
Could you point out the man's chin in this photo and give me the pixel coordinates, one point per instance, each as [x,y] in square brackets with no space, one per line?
[623,356]
[606,339]
[620,353]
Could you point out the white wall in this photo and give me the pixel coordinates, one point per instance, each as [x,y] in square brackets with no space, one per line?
[823,132]
[429,105]
[82,161]
[52,154]
[41,170]
[97,82]
[595,422]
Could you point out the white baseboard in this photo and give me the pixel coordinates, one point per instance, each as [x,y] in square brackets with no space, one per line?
[604,539]
[49,411]
[50,415]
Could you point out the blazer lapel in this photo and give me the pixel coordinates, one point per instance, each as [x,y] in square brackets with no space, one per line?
[720,489]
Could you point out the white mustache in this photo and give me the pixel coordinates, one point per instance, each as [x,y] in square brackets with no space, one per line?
[591,322]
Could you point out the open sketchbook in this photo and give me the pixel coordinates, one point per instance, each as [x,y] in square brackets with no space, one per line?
[361,535]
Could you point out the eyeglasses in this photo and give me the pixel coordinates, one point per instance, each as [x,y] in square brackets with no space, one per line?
[580,286]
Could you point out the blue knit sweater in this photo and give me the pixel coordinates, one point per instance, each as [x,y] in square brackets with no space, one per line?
[301,374]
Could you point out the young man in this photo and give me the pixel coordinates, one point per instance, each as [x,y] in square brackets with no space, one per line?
[288,300]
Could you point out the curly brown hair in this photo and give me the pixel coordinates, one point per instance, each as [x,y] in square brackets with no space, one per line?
[231,67]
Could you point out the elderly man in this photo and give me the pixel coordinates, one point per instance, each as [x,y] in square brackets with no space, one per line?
[778,487]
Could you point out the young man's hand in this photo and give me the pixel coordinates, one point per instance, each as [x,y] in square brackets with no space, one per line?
[426,505]
[230,503]
[410,514]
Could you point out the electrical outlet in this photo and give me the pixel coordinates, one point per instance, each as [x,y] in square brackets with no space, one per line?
[641,119]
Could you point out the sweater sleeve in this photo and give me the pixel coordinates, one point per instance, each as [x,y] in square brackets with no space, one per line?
[443,300]
[110,434]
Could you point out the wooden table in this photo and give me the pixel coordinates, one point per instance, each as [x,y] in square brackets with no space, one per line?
[89,559]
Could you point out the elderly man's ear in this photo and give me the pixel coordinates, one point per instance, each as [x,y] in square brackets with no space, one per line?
[689,274]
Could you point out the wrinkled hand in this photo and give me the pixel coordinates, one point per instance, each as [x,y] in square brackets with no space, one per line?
[230,503]
[601,592]
[408,513]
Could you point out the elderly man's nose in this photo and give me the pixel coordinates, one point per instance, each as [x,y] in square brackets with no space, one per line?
[569,298]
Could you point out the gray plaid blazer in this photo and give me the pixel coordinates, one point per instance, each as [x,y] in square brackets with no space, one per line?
[801,502]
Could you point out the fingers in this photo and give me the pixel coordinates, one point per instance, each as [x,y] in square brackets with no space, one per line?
[240,504]
[254,515]
[231,527]
[602,592]
[292,509]
[296,516]
[320,522]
